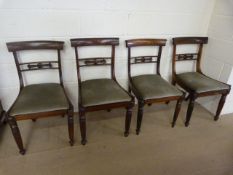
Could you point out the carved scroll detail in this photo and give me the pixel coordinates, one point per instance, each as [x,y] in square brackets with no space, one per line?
[94,61]
[143,59]
[186,57]
[39,66]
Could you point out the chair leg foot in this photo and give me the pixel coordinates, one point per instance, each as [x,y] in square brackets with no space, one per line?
[16,134]
[177,111]
[186,124]
[82,123]
[173,124]
[83,142]
[22,152]
[70,120]
[139,117]
[190,109]
[128,120]
[220,106]
[126,134]
[71,142]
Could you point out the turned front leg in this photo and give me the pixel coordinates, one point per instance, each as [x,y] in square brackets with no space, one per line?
[16,133]
[82,122]
[220,106]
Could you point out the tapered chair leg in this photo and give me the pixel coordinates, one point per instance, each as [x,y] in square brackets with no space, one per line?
[128,121]
[70,118]
[139,117]
[190,109]
[82,122]
[16,133]
[220,106]
[177,111]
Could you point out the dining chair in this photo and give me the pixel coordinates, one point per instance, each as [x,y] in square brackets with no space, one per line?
[150,88]
[196,83]
[102,93]
[40,100]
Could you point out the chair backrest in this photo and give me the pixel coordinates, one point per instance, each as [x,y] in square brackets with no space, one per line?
[95,61]
[145,58]
[16,47]
[188,56]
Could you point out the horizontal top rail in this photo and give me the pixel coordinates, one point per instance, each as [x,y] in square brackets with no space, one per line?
[145,42]
[34,45]
[77,42]
[190,40]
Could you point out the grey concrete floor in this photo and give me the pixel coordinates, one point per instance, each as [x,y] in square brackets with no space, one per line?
[204,148]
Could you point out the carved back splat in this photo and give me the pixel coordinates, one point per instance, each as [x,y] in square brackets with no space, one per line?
[145,59]
[95,61]
[188,56]
[16,47]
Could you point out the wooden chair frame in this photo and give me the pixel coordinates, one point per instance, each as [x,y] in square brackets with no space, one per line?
[99,61]
[16,47]
[2,116]
[200,41]
[149,59]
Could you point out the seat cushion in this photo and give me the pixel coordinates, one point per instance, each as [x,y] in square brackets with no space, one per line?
[40,98]
[152,86]
[200,83]
[102,91]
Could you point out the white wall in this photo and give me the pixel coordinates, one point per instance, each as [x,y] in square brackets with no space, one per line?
[65,19]
[218,60]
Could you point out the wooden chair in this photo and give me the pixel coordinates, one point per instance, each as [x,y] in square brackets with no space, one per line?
[151,88]
[38,100]
[100,94]
[196,83]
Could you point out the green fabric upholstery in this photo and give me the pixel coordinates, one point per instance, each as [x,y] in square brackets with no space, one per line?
[153,86]
[40,98]
[200,83]
[102,91]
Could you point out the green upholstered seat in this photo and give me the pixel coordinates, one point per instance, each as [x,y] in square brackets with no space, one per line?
[152,86]
[40,98]
[102,91]
[200,83]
